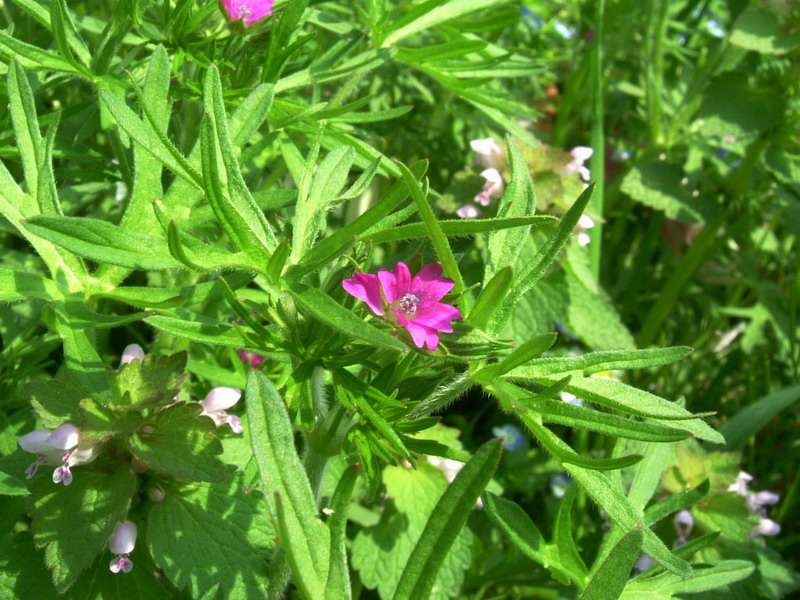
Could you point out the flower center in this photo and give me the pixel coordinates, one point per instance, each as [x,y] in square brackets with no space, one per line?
[408,304]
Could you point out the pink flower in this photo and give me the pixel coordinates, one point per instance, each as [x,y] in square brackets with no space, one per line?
[412,303]
[251,359]
[217,401]
[250,11]
[493,188]
[122,542]
[62,448]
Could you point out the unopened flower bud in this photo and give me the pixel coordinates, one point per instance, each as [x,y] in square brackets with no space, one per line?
[131,352]
[156,494]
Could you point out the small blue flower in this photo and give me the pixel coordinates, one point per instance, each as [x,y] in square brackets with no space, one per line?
[531,19]
[559,484]
[714,28]
[513,438]
[564,30]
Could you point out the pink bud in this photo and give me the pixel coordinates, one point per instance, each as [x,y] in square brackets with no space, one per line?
[65,437]
[123,540]
[131,352]
[156,494]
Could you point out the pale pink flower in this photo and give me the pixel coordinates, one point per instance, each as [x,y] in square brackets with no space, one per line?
[130,353]
[122,542]
[413,303]
[489,152]
[493,188]
[61,447]
[580,154]
[584,224]
[250,11]
[215,404]
[468,211]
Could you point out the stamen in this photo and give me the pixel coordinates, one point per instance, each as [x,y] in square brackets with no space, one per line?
[408,304]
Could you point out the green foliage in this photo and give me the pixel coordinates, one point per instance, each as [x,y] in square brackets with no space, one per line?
[203,187]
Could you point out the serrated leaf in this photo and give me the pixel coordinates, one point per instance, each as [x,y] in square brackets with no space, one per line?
[181,443]
[759,29]
[74,522]
[23,574]
[56,402]
[222,538]
[659,185]
[154,380]
[99,422]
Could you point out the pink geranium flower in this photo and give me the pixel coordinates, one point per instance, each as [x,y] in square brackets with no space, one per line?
[411,302]
[250,11]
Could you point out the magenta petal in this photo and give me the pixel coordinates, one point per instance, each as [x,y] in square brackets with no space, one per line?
[429,285]
[421,334]
[395,284]
[366,287]
[437,316]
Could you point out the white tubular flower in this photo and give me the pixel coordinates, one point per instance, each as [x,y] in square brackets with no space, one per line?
[767,527]
[740,485]
[215,404]
[61,447]
[494,182]
[765,498]
[130,353]
[489,152]
[580,154]
[122,543]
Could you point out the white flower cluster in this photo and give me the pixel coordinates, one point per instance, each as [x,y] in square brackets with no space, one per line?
[755,503]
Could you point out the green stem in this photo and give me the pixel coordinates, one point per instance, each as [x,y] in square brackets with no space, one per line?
[598,143]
